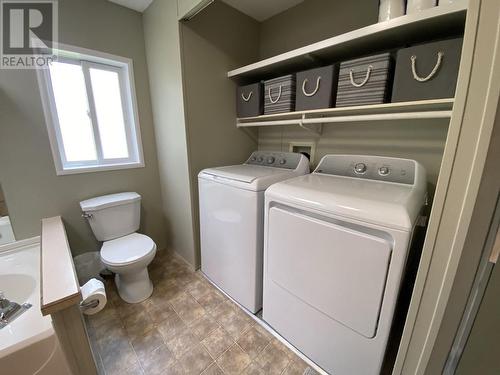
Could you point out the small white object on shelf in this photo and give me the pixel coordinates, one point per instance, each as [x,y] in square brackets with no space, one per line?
[415,6]
[389,9]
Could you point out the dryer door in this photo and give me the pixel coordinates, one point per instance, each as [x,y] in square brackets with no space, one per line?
[338,271]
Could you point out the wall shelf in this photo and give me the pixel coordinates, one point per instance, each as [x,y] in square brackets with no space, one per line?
[423,109]
[437,22]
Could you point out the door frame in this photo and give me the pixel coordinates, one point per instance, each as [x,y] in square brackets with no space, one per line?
[462,167]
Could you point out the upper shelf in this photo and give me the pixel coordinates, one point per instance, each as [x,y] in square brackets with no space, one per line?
[436,22]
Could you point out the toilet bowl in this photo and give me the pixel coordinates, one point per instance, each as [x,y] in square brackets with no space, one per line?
[114,220]
[128,257]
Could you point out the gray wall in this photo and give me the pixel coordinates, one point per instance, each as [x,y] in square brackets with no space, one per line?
[315,20]
[3,204]
[27,172]
[208,52]
[419,140]
[161,32]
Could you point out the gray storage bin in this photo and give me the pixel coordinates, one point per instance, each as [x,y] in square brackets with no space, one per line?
[249,101]
[364,81]
[427,71]
[316,88]
[279,94]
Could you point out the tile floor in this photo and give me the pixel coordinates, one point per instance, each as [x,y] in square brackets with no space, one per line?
[186,327]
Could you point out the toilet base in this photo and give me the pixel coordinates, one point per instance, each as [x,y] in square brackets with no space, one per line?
[134,287]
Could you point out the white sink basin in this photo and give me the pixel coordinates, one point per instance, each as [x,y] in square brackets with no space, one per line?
[17,287]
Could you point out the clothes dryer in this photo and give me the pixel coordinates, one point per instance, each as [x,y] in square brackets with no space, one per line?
[336,243]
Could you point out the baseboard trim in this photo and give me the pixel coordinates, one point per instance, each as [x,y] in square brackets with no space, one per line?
[182,259]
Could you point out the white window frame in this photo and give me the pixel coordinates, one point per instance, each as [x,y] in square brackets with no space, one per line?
[87,59]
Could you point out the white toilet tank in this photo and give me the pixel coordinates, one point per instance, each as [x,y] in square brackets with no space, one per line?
[112,216]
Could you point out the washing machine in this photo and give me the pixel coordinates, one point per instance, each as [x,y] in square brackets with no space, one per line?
[232,221]
[336,243]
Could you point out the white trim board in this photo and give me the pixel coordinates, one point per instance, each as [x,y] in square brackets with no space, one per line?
[19,244]
[456,191]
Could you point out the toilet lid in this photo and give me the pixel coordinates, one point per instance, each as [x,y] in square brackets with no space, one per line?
[126,250]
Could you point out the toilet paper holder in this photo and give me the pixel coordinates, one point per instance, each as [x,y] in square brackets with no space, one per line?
[93,297]
[89,304]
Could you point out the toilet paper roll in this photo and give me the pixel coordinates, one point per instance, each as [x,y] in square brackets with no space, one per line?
[93,297]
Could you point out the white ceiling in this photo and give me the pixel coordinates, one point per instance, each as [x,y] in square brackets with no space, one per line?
[138,5]
[261,10]
[258,9]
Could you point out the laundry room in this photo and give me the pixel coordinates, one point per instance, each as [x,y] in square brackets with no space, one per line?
[249,187]
[209,52]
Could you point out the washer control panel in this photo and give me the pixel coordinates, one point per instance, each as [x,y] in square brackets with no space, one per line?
[369,167]
[287,160]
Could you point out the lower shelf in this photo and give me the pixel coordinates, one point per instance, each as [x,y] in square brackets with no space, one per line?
[424,109]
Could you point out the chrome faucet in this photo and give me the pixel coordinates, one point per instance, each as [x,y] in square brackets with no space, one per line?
[10,310]
[5,308]
[4,302]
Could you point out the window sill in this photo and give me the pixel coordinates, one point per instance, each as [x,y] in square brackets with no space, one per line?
[98,168]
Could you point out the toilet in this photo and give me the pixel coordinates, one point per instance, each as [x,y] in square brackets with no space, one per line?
[115,219]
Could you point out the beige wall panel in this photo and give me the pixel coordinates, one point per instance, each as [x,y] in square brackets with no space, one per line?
[161,32]
[215,41]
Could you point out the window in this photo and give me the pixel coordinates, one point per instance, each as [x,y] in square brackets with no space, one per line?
[90,110]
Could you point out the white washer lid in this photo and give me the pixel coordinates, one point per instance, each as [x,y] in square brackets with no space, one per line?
[105,201]
[243,173]
[126,250]
[249,177]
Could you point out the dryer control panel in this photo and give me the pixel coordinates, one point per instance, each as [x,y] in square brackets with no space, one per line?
[369,167]
[287,160]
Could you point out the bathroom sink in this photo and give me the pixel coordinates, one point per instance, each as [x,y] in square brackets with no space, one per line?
[17,287]
[10,309]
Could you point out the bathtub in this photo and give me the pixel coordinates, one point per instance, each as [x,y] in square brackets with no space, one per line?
[29,344]
[6,233]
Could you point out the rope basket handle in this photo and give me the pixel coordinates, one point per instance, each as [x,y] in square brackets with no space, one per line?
[304,83]
[364,81]
[434,70]
[274,101]
[248,97]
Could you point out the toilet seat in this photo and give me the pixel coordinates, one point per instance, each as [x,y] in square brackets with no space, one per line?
[127,250]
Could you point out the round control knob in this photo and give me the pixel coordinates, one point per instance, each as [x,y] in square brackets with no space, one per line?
[270,160]
[383,171]
[282,161]
[360,168]
[260,159]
